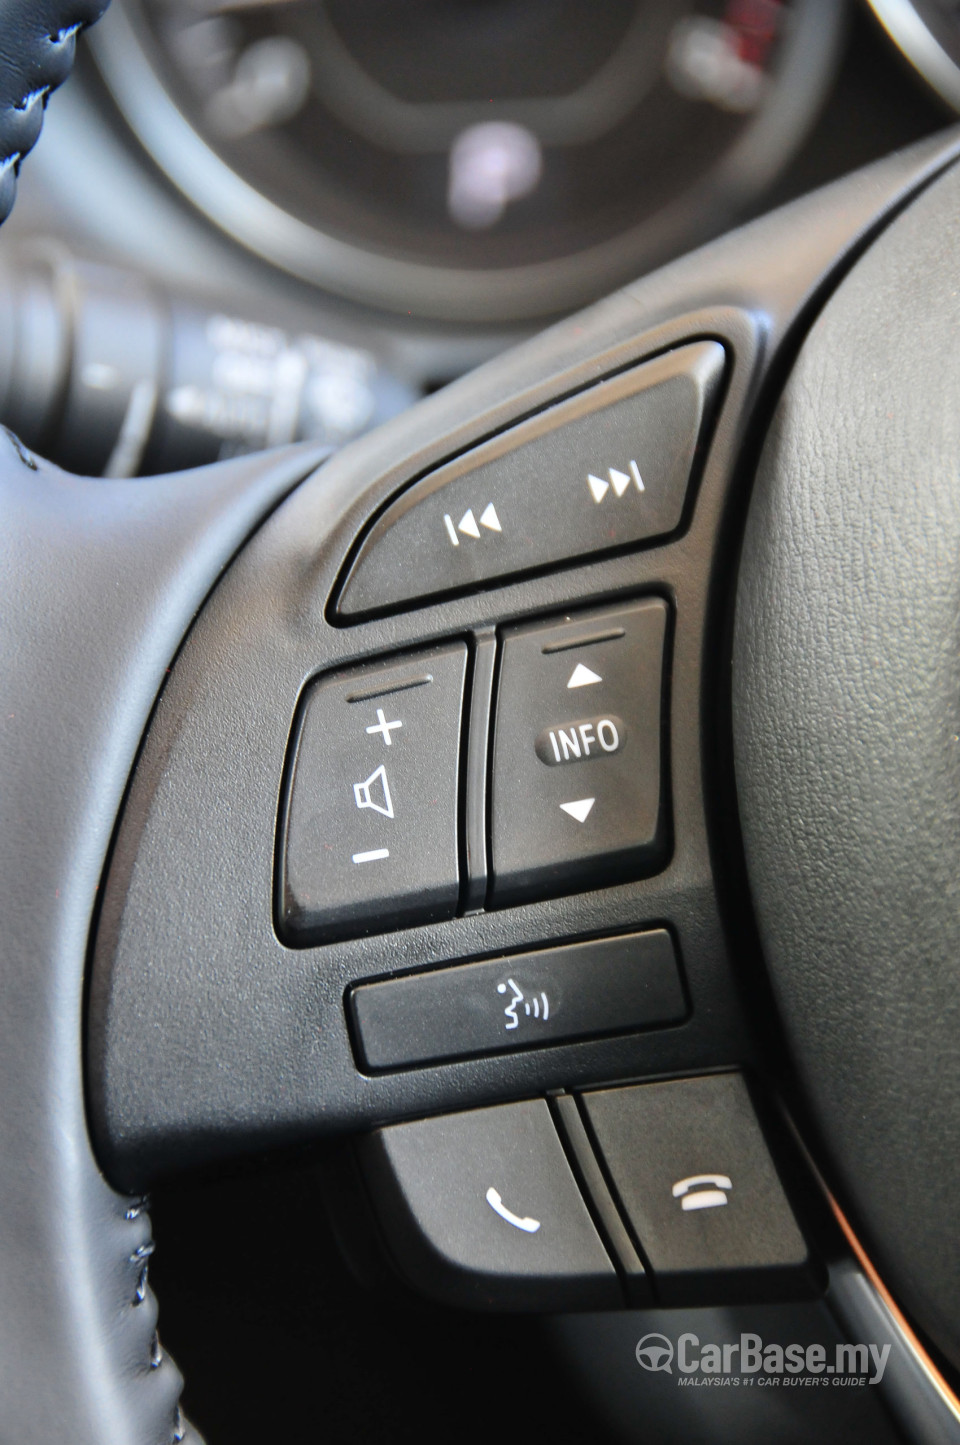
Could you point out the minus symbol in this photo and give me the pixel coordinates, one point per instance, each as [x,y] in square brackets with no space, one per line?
[372,856]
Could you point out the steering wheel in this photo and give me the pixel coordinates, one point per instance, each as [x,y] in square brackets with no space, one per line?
[160,638]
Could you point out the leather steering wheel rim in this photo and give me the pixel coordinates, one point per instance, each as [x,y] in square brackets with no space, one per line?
[38,40]
[80,1359]
[845,716]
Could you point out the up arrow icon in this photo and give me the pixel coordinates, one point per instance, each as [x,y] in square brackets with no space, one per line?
[583,676]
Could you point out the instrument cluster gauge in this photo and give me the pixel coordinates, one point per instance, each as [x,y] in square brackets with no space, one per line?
[470,160]
[928,33]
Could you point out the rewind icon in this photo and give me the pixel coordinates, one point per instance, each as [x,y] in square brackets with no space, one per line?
[469,525]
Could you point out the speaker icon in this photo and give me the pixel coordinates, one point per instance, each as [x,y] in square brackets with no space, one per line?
[375,786]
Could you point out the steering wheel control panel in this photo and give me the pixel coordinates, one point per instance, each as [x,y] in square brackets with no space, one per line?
[545,1072]
[388,820]
[607,468]
[394,814]
[662,1192]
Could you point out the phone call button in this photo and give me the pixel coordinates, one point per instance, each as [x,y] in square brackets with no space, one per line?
[482,1209]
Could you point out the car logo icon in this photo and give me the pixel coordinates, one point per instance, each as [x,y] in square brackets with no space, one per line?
[655,1352]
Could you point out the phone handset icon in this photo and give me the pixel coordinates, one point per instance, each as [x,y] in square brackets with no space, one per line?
[702,1191]
[528,1225]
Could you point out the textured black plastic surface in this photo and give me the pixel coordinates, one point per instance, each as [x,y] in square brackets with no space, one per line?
[369,836]
[583,1157]
[219,1039]
[848,763]
[531,497]
[482,1209]
[611,985]
[696,1181]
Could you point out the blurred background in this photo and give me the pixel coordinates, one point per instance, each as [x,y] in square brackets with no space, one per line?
[252,221]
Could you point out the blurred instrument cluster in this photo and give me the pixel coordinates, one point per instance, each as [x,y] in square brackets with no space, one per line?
[471,160]
[254,221]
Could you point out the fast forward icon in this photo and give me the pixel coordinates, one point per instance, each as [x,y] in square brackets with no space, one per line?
[618,483]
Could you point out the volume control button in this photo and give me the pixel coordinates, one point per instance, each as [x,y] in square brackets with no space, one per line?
[369,837]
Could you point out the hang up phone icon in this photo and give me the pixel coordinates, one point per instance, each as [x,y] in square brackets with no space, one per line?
[702,1191]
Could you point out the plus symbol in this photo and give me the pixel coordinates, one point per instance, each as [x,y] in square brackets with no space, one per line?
[382,726]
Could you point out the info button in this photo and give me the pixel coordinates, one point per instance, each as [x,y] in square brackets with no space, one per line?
[610,985]
[577,752]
